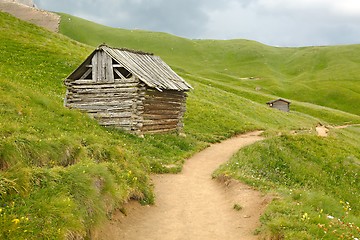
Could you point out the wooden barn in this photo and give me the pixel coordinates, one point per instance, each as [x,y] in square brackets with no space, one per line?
[281,104]
[127,89]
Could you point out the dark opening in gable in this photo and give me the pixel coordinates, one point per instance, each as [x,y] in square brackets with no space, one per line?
[117,74]
[89,76]
[121,72]
[125,72]
[86,73]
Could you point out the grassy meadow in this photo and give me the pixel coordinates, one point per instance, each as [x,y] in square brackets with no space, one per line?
[325,75]
[61,174]
[315,184]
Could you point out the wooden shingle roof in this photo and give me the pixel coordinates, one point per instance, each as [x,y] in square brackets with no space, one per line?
[149,68]
[277,100]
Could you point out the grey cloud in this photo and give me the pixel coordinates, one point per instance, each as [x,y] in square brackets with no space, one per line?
[284,23]
[273,22]
[180,17]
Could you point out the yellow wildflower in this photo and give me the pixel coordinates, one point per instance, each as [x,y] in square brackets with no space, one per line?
[15,221]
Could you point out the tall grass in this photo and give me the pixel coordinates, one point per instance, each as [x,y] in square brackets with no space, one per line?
[61,173]
[317,184]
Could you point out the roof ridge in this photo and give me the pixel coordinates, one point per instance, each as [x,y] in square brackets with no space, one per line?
[279,99]
[127,50]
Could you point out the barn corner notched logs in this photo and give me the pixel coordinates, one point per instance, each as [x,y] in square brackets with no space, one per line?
[128,89]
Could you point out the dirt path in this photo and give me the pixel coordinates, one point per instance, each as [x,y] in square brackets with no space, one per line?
[191,205]
[323,131]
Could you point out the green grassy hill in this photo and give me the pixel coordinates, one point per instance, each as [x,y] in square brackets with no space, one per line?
[326,76]
[61,174]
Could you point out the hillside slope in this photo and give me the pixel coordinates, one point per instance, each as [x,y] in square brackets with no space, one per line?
[61,173]
[27,11]
[326,76]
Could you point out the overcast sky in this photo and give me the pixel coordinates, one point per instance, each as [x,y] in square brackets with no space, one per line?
[272,22]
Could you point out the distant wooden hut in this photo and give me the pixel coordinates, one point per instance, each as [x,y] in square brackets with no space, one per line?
[281,104]
[127,89]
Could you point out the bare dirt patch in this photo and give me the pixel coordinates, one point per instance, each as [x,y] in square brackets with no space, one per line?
[192,205]
[42,18]
[322,131]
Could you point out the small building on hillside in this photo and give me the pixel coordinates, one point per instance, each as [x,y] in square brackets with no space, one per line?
[281,104]
[128,89]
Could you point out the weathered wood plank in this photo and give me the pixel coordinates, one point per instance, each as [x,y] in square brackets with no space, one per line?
[100,99]
[109,72]
[151,107]
[100,108]
[104,86]
[155,102]
[108,102]
[166,130]
[92,82]
[148,122]
[94,63]
[159,117]
[101,67]
[109,90]
[166,98]
[112,115]
[160,112]
[84,81]
[122,94]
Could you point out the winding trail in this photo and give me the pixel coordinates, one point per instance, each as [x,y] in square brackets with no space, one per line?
[191,205]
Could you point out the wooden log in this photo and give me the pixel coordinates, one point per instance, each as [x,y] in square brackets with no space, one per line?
[161,112]
[92,82]
[106,103]
[160,107]
[105,95]
[119,126]
[118,121]
[166,99]
[95,98]
[96,108]
[112,115]
[104,86]
[109,90]
[166,130]
[159,117]
[84,81]
[156,102]
[168,103]
[148,122]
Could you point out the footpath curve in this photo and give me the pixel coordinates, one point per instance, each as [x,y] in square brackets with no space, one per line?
[191,205]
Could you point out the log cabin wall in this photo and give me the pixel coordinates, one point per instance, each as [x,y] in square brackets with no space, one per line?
[130,90]
[108,96]
[163,111]
[280,105]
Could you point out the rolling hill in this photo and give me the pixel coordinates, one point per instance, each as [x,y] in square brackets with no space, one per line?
[325,76]
[61,174]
